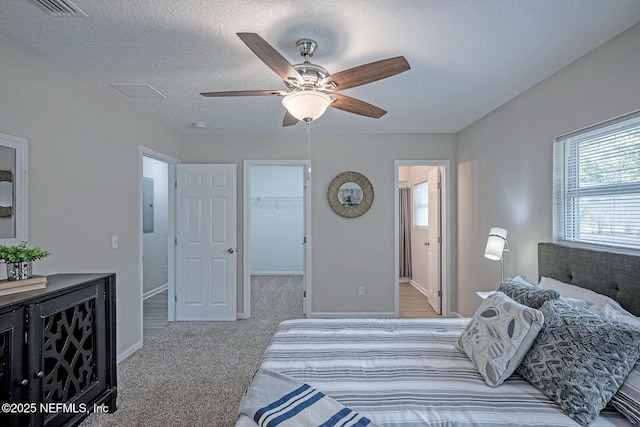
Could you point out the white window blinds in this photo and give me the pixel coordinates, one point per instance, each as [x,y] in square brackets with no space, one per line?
[597,185]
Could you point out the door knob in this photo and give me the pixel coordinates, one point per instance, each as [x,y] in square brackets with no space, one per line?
[39,374]
[231,250]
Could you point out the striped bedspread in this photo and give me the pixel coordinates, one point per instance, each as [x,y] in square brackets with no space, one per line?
[406,373]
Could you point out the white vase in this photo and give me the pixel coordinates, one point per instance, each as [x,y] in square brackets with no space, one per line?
[19,270]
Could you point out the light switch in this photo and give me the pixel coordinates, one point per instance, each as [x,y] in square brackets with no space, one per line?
[114,241]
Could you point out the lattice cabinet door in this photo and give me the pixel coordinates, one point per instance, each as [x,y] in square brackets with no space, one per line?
[70,367]
[13,379]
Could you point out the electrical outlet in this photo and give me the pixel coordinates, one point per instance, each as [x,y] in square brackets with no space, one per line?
[361,290]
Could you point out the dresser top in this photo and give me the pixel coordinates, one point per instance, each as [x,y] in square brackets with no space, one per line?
[56,283]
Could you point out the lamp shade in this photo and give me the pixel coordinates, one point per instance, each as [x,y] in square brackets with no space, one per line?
[306,104]
[495,243]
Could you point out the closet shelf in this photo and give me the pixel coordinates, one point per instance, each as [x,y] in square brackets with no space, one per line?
[277,202]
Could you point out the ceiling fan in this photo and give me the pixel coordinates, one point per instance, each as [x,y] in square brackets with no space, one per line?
[312,88]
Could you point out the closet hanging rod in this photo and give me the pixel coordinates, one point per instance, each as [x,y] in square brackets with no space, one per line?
[277,201]
[278,197]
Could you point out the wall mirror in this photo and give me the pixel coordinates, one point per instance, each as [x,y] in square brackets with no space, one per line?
[14,215]
[350,194]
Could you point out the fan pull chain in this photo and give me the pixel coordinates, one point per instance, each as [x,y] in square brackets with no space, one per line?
[309,149]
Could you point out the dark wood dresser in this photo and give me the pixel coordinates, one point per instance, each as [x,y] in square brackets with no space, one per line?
[58,351]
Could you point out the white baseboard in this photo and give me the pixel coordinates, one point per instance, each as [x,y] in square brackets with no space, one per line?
[405,280]
[420,288]
[128,352]
[155,291]
[354,315]
[277,273]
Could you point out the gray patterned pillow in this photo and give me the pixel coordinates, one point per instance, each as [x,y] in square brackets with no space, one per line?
[498,336]
[580,359]
[529,295]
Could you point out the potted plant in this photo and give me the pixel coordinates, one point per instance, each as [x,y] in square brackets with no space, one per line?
[18,259]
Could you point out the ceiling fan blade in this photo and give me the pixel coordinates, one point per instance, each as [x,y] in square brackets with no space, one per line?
[352,105]
[271,57]
[245,93]
[367,73]
[289,120]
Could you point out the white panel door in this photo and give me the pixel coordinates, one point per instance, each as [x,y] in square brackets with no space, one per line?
[206,258]
[434,284]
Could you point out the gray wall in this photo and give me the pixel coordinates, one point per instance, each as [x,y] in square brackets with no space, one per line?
[505,159]
[83,172]
[346,253]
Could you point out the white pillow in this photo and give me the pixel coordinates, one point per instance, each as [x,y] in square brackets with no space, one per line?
[578,302]
[498,337]
[523,280]
[616,312]
[595,301]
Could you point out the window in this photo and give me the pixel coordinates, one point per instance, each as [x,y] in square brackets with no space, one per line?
[421,205]
[597,185]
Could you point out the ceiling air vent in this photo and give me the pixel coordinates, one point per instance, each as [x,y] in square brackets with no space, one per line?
[60,7]
[138,90]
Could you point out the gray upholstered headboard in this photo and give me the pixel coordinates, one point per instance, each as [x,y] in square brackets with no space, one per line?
[614,275]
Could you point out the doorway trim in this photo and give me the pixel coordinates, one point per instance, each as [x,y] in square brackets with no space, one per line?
[171,162]
[446,231]
[246,231]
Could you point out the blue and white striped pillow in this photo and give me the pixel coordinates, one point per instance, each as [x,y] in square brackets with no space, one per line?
[627,398]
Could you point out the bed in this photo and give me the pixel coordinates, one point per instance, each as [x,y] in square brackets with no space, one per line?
[408,372]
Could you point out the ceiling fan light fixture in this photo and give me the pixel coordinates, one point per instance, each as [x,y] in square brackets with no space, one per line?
[312,88]
[306,104]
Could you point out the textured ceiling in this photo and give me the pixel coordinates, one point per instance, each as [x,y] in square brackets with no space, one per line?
[467,56]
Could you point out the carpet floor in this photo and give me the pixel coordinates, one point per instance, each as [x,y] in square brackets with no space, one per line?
[195,373]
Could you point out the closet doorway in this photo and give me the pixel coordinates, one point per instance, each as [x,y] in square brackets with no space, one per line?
[422,238]
[156,228]
[276,239]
